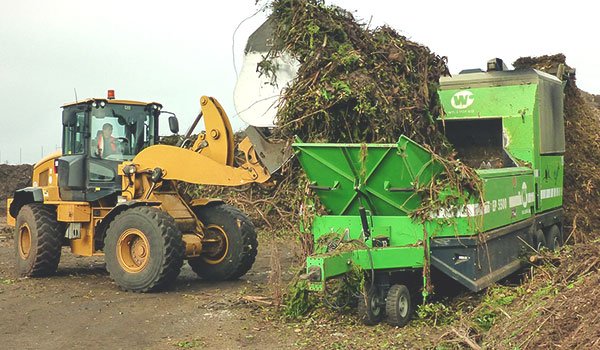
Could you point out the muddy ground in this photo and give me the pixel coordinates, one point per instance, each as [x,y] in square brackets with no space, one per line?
[81,307]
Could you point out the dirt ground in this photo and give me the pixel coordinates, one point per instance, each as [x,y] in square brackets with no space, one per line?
[81,307]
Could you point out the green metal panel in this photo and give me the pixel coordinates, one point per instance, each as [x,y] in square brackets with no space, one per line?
[519,135]
[550,182]
[381,177]
[401,230]
[332,265]
[482,102]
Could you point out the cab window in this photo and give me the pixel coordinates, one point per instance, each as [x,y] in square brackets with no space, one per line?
[73,134]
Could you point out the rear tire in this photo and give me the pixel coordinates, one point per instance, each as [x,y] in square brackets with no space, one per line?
[38,240]
[553,238]
[539,240]
[398,305]
[370,307]
[143,249]
[236,245]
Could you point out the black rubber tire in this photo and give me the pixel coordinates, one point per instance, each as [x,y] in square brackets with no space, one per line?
[370,307]
[166,249]
[241,236]
[398,305]
[539,240]
[553,237]
[46,236]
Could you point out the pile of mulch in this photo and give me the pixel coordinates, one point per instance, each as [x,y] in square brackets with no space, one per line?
[566,315]
[581,195]
[13,178]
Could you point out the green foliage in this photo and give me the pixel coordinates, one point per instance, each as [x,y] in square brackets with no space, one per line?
[346,55]
[490,308]
[437,313]
[342,86]
[298,301]
[188,344]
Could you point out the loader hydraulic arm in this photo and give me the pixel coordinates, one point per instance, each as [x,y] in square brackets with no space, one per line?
[217,141]
[209,161]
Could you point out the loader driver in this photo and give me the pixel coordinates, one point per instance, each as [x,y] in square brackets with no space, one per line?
[107,144]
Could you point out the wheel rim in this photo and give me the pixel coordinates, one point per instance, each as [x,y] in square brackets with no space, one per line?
[403,306]
[133,250]
[216,244]
[24,241]
[375,305]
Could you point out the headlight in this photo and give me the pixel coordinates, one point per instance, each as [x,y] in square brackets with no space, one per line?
[129,169]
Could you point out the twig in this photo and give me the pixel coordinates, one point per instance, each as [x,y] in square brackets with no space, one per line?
[257,299]
[524,343]
[472,344]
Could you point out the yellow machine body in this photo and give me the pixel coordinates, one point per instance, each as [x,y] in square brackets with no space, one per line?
[209,161]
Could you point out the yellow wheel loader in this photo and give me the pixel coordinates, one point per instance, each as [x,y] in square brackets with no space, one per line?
[112,191]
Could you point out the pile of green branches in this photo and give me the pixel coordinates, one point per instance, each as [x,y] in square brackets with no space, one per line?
[354,84]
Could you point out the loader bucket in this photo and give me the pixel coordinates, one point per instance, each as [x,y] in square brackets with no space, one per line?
[380,177]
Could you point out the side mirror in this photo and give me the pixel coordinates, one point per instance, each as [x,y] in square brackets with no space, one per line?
[173,124]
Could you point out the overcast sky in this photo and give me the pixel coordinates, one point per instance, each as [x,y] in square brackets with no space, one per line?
[174,52]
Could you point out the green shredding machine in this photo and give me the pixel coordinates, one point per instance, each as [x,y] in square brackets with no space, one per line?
[508,125]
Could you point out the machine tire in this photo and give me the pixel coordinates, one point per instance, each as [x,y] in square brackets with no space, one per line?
[143,249]
[539,240]
[240,243]
[398,305]
[370,307]
[553,238]
[38,240]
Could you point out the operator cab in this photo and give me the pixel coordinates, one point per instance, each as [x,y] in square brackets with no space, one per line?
[98,135]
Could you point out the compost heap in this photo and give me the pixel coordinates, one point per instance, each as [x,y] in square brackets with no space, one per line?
[13,178]
[581,195]
[355,84]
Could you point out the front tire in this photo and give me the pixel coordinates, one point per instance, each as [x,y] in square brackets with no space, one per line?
[143,249]
[38,240]
[398,305]
[233,246]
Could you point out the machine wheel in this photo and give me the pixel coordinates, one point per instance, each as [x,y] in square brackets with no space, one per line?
[553,238]
[398,305]
[370,307]
[38,240]
[539,240]
[143,249]
[229,243]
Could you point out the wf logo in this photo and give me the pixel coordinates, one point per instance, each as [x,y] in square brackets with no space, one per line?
[462,99]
